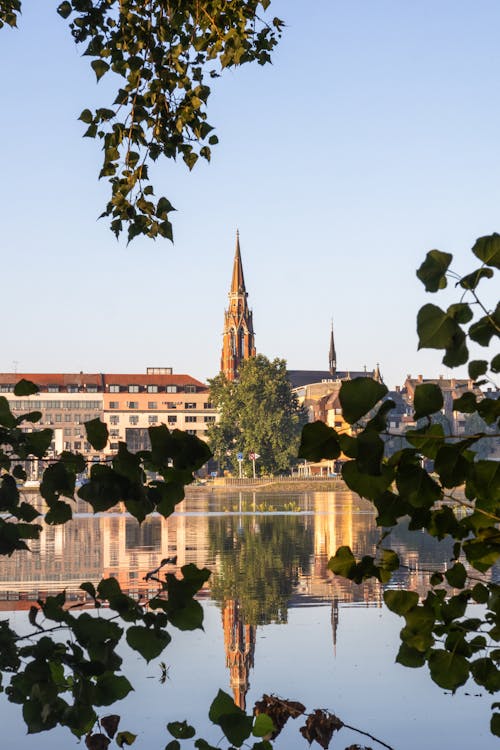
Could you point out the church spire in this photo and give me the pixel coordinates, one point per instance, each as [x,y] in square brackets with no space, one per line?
[238,280]
[332,357]
[238,336]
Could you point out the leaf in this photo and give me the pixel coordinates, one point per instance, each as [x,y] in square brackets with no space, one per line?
[97,741]
[262,726]
[495,363]
[400,601]
[428,400]
[181,730]
[97,433]
[7,419]
[436,329]
[318,441]
[37,443]
[461,312]
[484,329]
[359,396]
[448,670]
[125,738]
[110,688]
[109,723]
[456,576]
[487,249]
[100,67]
[64,9]
[25,388]
[477,367]
[235,724]
[495,724]
[410,657]
[343,562]
[432,272]
[148,642]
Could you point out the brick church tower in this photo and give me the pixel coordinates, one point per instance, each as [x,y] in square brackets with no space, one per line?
[238,336]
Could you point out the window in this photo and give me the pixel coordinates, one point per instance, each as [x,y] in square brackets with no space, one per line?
[67,431]
[133,404]
[190,405]
[171,418]
[114,404]
[53,389]
[86,447]
[152,404]
[77,445]
[58,417]
[190,388]
[72,388]
[6,388]
[114,433]
[171,389]
[191,419]
[133,419]
[207,405]
[209,419]
[152,389]
[191,432]
[114,388]
[77,418]
[114,419]
[67,417]
[67,446]
[113,446]
[153,419]
[49,418]
[87,417]
[133,389]
[91,388]
[170,405]
[77,431]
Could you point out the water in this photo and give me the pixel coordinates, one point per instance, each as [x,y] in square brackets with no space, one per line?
[276,621]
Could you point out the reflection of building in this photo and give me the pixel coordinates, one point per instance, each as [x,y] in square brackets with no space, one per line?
[238,336]
[239,645]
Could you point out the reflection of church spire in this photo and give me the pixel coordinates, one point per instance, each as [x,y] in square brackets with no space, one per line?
[334,616]
[332,357]
[239,644]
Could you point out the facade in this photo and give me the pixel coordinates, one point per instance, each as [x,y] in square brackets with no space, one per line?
[238,336]
[127,403]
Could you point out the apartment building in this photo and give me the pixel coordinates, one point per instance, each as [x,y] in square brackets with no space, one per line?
[128,403]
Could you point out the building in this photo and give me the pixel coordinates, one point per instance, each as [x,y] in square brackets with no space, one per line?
[238,341]
[128,403]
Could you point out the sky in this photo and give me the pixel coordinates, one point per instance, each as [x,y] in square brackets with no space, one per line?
[373,138]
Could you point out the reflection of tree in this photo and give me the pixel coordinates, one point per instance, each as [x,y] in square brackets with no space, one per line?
[259,561]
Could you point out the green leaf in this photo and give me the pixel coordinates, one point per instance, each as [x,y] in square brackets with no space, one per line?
[262,726]
[428,400]
[148,642]
[25,388]
[235,724]
[181,730]
[435,328]
[456,576]
[495,363]
[318,441]
[97,434]
[7,419]
[65,9]
[359,396]
[461,312]
[109,723]
[477,367]
[448,670]
[37,443]
[432,272]
[367,485]
[472,279]
[400,601]
[487,249]
[58,513]
[467,403]
[125,738]
[343,562]
[100,67]
[410,657]
[484,329]
[110,688]
[495,724]
[486,673]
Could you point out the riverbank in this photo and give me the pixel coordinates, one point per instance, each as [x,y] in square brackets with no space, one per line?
[270,486]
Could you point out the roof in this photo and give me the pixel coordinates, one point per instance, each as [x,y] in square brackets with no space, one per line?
[300,378]
[99,380]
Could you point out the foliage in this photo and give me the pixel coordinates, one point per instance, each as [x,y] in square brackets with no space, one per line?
[258,414]
[454,640]
[159,56]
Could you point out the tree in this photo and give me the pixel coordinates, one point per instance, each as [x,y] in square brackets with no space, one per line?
[258,414]
[439,631]
[163,53]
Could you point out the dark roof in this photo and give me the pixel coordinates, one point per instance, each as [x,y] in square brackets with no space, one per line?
[300,378]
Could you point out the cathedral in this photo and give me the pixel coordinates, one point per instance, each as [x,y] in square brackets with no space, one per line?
[238,336]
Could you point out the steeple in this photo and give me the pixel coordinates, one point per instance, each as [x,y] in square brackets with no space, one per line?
[238,280]
[332,357]
[238,335]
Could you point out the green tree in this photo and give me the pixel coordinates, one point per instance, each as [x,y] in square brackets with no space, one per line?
[162,55]
[258,414]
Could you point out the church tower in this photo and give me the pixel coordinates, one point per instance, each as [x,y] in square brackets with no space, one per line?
[238,336]
[332,356]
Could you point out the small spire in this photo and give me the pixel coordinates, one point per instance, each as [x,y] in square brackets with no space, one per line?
[238,280]
[332,357]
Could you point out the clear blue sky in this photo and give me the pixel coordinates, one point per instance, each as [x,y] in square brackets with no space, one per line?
[373,138]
